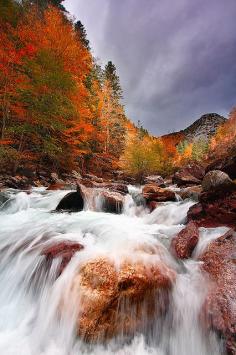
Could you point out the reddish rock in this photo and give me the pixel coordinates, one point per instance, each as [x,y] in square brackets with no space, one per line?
[65,250]
[113,301]
[219,261]
[216,179]
[192,174]
[185,242]
[215,208]
[152,205]
[192,192]
[112,202]
[152,192]
[226,164]
[61,186]
[115,187]
[158,180]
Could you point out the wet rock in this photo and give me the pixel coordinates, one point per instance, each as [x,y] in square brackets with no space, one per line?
[112,202]
[219,308]
[215,208]
[64,250]
[185,242]
[18,182]
[4,197]
[115,187]
[56,179]
[215,179]
[192,174]
[152,205]
[72,202]
[139,199]
[119,301]
[157,179]
[61,186]
[153,192]
[93,178]
[226,164]
[192,192]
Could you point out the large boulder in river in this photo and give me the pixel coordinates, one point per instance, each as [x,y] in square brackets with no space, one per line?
[122,300]
[192,174]
[226,164]
[219,311]
[215,179]
[215,208]
[72,202]
[112,202]
[185,242]
[152,192]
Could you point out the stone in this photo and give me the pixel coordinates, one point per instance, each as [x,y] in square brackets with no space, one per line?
[113,301]
[215,208]
[72,202]
[226,164]
[112,202]
[215,179]
[192,192]
[219,308]
[153,192]
[65,250]
[185,242]
[157,179]
[192,174]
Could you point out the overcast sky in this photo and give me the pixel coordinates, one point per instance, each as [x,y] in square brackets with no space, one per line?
[176,58]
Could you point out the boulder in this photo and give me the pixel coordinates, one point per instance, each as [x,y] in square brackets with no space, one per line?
[72,202]
[192,192]
[112,202]
[226,164]
[215,208]
[56,179]
[64,250]
[115,187]
[215,179]
[19,182]
[152,192]
[185,242]
[152,205]
[61,186]
[119,301]
[157,179]
[192,174]
[219,308]
[93,178]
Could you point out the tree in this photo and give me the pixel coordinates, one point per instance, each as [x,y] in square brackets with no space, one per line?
[80,29]
[199,149]
[111,75]
[142,155]
[44,4]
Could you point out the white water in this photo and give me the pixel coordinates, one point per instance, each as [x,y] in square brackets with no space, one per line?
[29,322]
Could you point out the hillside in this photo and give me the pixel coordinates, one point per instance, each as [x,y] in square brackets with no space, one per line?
[203,128]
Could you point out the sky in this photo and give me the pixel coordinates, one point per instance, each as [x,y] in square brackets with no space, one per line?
[176,58]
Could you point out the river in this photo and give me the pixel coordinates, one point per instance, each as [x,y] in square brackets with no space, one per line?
[29,322]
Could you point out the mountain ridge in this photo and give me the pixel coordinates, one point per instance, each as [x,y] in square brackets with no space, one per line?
[203,128]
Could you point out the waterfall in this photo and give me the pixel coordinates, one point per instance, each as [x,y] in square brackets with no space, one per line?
[33,297]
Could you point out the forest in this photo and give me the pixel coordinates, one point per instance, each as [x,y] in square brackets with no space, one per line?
[61,110]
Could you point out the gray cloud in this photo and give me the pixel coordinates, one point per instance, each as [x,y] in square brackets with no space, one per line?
[176,59]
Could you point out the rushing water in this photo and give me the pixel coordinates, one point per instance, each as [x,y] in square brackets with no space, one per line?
[28,310]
